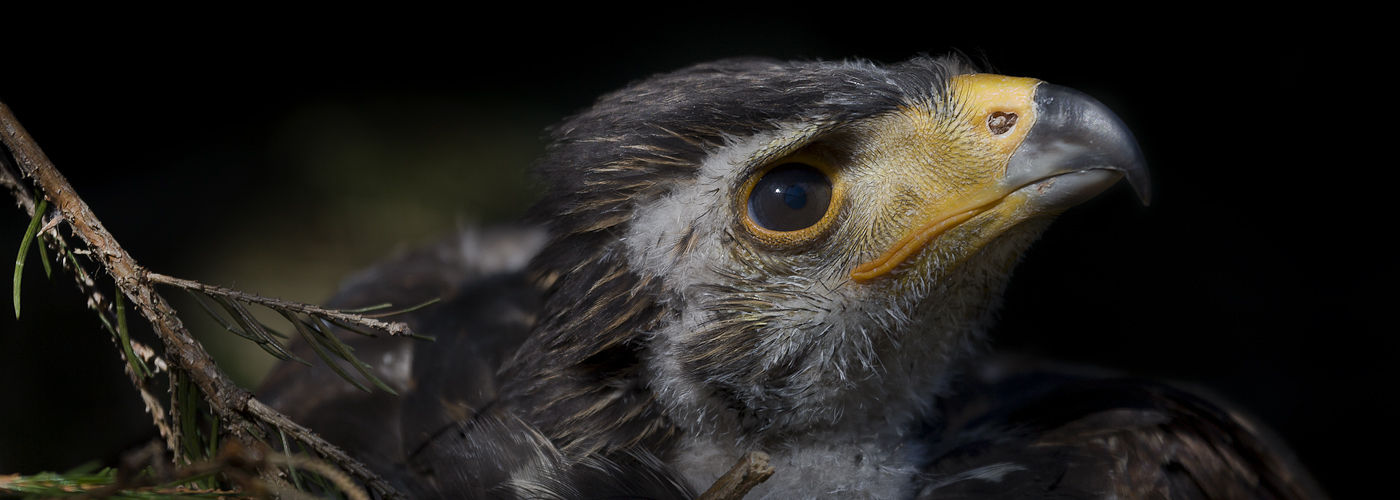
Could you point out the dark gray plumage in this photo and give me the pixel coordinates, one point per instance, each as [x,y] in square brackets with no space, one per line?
[661,329]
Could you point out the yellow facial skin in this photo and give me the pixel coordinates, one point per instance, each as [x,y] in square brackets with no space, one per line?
[956,164]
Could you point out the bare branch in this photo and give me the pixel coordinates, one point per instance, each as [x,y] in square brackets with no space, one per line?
[227,400]
[751,470]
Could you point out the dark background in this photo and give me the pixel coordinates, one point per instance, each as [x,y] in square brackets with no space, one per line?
[279,158]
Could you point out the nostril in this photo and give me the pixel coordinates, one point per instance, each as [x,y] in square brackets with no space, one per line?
[1000,122]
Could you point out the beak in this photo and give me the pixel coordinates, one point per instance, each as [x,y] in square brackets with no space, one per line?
[1080,145]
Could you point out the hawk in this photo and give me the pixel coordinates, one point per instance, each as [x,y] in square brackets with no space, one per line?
[800,258]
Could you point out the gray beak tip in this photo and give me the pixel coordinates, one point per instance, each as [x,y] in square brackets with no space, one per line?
[1074,132]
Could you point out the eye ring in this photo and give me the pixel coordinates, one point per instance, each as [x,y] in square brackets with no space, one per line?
[791,202]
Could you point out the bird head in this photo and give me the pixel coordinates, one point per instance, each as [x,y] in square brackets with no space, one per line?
[763,249]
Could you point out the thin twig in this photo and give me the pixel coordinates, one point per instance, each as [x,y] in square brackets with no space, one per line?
[751,470]
[228,401]
[394,328]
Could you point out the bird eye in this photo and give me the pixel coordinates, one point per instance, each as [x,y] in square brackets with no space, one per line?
[790,197]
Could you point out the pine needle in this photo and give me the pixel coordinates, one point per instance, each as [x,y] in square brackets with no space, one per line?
[400,311]
[24,247]
[361,310]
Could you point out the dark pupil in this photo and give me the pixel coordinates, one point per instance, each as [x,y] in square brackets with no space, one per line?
[791,197]
[795,196]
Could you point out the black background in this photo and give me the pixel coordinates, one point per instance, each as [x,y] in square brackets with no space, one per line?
[1257,273]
